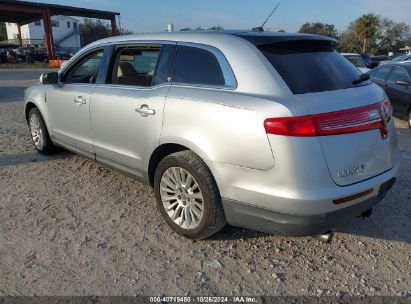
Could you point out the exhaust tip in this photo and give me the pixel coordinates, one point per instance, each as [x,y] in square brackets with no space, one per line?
[325,237]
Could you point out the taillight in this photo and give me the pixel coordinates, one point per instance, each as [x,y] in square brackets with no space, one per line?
[371,117]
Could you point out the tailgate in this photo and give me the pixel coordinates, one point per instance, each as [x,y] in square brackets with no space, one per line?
[354,157]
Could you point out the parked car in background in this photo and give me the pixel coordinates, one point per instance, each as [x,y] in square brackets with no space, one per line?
[367,59]
[3,56]
[395,78]
[269,131]
[357,60]
[400,58]
[375,60]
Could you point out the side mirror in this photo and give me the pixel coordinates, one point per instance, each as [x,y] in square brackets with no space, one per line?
[402,83]
[49,78]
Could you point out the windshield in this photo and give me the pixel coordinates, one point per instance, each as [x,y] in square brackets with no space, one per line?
[356,60]
[309,66]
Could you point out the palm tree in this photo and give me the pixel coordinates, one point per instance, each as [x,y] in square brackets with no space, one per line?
[366,28]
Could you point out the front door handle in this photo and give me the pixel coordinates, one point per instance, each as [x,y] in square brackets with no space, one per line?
[80,100]
[144,110]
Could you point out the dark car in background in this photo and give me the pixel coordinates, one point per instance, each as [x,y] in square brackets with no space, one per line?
[375,60]
[395,78]
[367,59]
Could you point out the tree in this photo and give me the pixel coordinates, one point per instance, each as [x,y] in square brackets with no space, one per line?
[215,28]
[92,30]
[349,42]
[366,27]
[392,36]
[186,29]
[3,31]
[319,29]
[125,32]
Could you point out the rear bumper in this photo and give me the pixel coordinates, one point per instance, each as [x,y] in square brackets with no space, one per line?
[257,218]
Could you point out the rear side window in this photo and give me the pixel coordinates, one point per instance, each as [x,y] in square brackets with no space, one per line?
[381,73]
[398,74]
[197,66]
[309,66]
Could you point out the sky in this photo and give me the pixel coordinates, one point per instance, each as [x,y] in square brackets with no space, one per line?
[153,16]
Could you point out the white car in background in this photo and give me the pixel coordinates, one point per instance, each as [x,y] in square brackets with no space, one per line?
[356,60]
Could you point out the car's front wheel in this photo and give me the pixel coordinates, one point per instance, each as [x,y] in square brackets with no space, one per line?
[187,196]
[39,133]
[409,118]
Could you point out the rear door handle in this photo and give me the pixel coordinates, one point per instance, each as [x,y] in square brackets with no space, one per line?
[80,100]
[144,110]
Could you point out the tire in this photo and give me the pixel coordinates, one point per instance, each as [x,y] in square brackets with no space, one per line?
[39,133]
[196,223]
[409,118]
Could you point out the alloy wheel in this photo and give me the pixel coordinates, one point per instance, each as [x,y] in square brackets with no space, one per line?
[182,197]
[36,132]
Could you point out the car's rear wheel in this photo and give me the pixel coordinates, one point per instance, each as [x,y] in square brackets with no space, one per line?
[39,133]
[187,196]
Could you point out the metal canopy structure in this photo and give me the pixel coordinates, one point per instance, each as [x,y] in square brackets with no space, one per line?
[24,12]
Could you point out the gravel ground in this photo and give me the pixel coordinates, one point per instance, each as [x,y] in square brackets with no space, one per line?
[69,226]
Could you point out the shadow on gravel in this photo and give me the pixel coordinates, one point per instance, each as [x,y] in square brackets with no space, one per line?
[386,225]
[11,94]
[24,158]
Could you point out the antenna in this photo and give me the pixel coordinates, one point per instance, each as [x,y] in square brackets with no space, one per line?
[260,28]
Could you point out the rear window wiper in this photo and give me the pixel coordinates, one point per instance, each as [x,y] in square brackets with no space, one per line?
[361,78]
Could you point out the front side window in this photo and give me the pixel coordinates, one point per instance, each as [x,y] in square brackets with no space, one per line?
[381,73]
[55,23]
[398,74]
[197,66]
[68,24]
[135,66]
[85,71]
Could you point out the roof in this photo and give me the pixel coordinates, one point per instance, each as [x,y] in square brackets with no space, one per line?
[259,38]
[406,64]
[207,37]
[24,12]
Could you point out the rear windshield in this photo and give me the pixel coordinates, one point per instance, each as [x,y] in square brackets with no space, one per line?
[310,66]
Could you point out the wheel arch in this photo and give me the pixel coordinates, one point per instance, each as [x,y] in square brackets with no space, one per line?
[168,147]
[30,105]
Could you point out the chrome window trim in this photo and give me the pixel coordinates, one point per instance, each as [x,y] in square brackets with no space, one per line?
[108,44]
[228,74]
[137,43]
[132,87]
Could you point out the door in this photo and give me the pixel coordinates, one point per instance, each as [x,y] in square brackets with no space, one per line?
[69,103]
[399,91]
[127,111]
